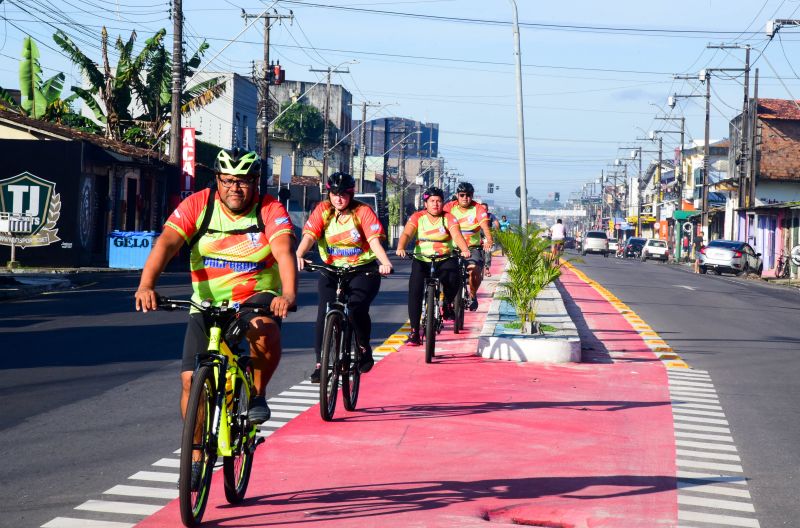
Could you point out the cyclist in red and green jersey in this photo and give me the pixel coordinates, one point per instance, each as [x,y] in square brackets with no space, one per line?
[473,220]
[437,233]
[348,234]
[241,250]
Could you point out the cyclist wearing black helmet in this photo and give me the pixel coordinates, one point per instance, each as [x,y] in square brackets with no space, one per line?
[437,233]
[474,220]
[240,250]
[347,233]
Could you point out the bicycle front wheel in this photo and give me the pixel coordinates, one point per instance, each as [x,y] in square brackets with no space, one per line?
[351,376]
[236,468]
[197,448]
[329,364]
[430,324]
[458,311]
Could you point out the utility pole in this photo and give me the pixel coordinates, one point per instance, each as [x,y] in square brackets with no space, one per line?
[752,141]
[326,139]
[177,83]
[657,205]
[362,142]
[706,160]
[263,82]
[401,174]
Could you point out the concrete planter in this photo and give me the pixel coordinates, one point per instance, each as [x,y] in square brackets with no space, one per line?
[497,341]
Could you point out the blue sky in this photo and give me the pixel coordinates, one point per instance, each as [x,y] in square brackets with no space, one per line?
[595,73]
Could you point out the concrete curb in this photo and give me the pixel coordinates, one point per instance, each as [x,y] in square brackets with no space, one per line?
[30,286]
[561,346]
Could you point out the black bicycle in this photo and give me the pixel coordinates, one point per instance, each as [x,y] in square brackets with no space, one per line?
[432,316]
[341,352]
[216,422]
[460,300]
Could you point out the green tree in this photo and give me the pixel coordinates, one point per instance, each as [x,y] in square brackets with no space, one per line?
[40,99]
[302,124]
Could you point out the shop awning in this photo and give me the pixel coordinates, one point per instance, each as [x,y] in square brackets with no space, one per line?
[684,215]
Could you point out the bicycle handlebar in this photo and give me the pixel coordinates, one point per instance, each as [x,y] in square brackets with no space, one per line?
[340,271]
[207,306]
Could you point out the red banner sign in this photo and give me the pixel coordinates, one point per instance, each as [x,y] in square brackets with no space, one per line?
[188,149]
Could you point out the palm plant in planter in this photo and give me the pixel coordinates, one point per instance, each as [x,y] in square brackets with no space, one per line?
[531,268]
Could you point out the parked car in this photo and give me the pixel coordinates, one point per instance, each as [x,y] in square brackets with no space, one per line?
[595,242]
[633,247]
[730,256]
[654,249]
[613,245]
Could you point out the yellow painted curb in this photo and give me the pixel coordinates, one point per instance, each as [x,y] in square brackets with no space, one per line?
[677,364]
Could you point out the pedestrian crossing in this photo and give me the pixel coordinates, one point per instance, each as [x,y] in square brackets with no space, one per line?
[712,487]
[149,490]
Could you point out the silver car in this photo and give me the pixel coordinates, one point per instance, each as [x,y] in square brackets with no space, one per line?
[595,242]
[730,256]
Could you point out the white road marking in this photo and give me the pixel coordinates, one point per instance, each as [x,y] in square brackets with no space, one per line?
[699,464]
[684,286]
[714,446]
[719,504]
[697,412]
[684,405]
[707,455]
[68,522]
[297,408]
[724,520]
[168,462]
[701,436]
[283,415]
[292,394]
[309,403]
[119,507]
[699,419]
[141,491]
[711,477]
[155,476]
[712,489]
[705,428]
[691,399]
[684,383]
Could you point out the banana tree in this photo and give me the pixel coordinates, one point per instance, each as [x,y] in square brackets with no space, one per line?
[110,93]
[39,99]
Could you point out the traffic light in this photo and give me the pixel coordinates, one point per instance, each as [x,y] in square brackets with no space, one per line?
[491,188]
[557,197]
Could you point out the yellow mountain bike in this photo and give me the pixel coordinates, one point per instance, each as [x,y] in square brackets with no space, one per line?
[216,422]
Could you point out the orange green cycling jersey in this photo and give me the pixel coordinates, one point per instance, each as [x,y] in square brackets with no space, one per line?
[343,239]
[433,234]
[226,263]
[469,220]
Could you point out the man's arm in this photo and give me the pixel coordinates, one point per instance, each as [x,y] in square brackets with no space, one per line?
[167,246]
[283,251]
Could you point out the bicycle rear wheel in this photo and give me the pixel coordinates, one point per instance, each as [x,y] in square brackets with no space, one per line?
[236,468]
[351,376]
[197,446]
[329,364]
[430,324]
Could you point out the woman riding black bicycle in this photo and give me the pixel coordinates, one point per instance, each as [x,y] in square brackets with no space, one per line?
[348,234]
[437,233]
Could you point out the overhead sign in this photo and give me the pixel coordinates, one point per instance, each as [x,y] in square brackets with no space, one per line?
[188,151]
[559,213]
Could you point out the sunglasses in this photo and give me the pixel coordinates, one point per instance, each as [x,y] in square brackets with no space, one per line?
[230,182]
[464,195]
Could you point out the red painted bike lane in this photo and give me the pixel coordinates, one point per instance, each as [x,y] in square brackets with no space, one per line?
[467,441]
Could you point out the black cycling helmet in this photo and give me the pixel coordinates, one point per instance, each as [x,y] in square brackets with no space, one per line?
[341,182]
[432,191]
[465,187]
[237,162]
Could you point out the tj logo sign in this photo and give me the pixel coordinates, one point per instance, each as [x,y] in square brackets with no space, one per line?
[33,199]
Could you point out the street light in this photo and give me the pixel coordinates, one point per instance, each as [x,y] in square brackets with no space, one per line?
[523,191]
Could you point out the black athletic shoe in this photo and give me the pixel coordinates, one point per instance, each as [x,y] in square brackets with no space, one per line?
[366,361]
[315,375]
[448,314]
[473,304]
[413,338]
[259,412]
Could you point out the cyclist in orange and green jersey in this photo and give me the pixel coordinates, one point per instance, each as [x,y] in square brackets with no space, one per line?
[348,234]
[437,233]
[241,251]
[473,220]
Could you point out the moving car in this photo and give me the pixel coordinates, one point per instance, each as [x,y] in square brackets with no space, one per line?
[730,256]
[569,243]
[654,249]
[595,242]
[633,247]
[613,245]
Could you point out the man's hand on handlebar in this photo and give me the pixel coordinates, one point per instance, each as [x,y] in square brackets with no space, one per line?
[301,263]
[401,252]
[385,269]
[466,253]
[146,299]
[280,305]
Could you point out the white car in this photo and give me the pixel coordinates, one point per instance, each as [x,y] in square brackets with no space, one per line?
[655,249]
[613,245]
[595,242]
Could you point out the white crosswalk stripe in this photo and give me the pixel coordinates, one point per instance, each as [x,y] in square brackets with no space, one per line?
[712,489]
[68,522]
[118,507]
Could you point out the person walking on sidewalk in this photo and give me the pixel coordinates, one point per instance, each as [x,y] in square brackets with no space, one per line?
[473,221]
[241,251]
[437,233]
[493,224]
[348,234]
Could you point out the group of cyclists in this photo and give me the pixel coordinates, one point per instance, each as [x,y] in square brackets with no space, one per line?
[242,248]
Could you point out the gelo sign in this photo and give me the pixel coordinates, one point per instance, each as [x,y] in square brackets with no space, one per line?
[131,242]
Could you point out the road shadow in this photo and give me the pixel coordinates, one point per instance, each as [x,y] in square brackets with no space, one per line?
[592,348]
[393,498]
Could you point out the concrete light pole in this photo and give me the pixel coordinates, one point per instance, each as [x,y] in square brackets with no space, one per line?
[523,191]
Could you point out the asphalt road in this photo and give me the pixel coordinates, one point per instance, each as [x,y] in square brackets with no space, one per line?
[90,387]
[746,334]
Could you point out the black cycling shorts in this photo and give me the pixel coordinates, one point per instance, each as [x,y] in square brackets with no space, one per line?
[476,256]
[196,338]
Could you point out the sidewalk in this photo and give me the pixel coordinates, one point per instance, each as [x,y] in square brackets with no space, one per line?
[468,442]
